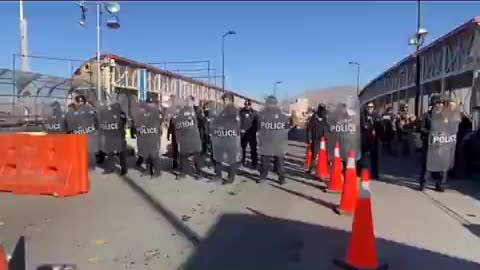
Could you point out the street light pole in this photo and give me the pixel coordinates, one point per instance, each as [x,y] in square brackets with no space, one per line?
[112,8]
[358,75]
[223,56]
[418,40]
[275,88]
[99,84]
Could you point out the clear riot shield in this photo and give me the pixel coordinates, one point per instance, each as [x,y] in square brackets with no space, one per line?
[225,136]
[54,118]
[344,121]
[442,139]
[273,132]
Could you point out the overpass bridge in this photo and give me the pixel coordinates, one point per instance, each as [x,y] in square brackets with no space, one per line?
[450,64]
[125,76]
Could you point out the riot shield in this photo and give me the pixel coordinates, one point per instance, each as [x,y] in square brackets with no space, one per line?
[55,121]
[343,119]
[273,132]
[225,136]
[442,139]
[147,121]
[186,130]
[111,122]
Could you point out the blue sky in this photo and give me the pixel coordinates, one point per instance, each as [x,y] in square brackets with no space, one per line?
[305,45]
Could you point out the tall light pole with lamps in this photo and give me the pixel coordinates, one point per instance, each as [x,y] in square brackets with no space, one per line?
[358,74]
[275,87]
[112,22]
[417,40]
[231,32]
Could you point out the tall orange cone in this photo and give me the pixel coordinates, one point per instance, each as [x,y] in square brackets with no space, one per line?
[3,259]
[335,184]
[362,250]
[350,188]
[308,157]
[366,175]
[322,160]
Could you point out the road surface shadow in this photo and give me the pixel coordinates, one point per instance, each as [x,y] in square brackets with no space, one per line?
[404,171]
[257,241]
[474,228]
[188,233]
[306,197]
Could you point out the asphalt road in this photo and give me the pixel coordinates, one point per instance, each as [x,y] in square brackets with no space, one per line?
[135,222]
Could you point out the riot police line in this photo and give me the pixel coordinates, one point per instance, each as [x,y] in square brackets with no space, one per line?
[193,133]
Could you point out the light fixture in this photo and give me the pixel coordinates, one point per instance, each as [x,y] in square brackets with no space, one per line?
[112,7]
[113,22]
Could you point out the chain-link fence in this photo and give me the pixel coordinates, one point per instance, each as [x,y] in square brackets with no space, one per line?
[32,84]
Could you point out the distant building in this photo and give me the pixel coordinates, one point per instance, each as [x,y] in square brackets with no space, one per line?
[300,106]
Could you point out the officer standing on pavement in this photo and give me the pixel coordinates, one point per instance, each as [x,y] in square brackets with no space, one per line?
[55,119]
[83,120]
[438,131]
[249,128]
[317,128]
[148,120]
[273,127]
[188,139]
[225,134]
[112,121]
[388,123]
[371,129]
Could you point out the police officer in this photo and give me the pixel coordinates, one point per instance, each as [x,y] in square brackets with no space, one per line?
[148,119]
[370,131]
[202,128]
[389,130]
[404,125]
[55,121]
[249,128]
[83,120]
[317,128]
[273,127]
[112,121]
[225,133]
[439,131]
[188,139]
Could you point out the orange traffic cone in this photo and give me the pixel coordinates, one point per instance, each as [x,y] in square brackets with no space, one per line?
[3,259]
[366,175]
[362,250]
[335,184]
[308,157]
[322,161]
[350,188]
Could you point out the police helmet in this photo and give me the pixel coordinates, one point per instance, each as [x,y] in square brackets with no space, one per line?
[271,100]
[228,97]
[434,99]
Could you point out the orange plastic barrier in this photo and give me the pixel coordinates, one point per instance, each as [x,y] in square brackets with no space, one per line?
[54,164]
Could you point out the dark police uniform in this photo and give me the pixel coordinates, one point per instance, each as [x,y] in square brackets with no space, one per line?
[148,119]
[249,129]
[112,121]
[317,128]
[83,120]
[371,128]
[225,133]
[188,140]
[273,126]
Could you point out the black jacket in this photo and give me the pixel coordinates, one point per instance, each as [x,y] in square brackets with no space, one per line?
[317,127]
[248,121]
[371,129]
